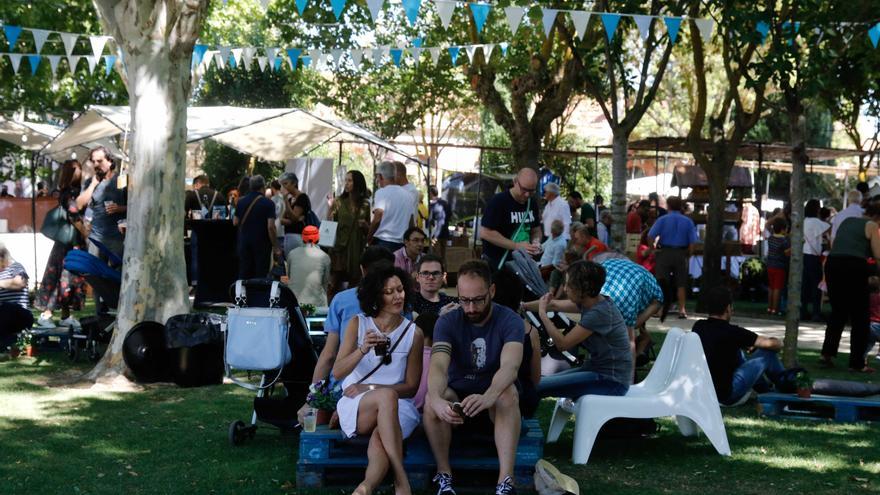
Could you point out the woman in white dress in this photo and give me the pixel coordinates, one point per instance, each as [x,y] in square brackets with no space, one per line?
[380,364]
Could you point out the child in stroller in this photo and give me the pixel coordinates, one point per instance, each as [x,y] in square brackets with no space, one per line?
[279,410]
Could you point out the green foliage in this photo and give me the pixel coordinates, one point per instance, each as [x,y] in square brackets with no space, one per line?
[226,166]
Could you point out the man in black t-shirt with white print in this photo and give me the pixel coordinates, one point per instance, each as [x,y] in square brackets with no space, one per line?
[512,221]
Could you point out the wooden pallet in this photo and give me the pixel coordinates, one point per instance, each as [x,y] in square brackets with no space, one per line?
[328,460]
[840,409]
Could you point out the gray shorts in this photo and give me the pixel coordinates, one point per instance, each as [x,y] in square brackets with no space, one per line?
[674,261]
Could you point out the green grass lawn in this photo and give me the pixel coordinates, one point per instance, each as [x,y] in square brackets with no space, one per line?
[58,439]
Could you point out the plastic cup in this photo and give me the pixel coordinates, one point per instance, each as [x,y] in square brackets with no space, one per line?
[310,420]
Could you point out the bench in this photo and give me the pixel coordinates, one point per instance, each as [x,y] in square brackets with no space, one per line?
[821,407]
[328,460]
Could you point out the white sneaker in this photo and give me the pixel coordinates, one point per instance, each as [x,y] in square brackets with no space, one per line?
[70,321]
[44,322]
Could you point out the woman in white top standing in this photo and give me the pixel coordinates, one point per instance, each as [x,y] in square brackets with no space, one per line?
[380,364]
[814,229]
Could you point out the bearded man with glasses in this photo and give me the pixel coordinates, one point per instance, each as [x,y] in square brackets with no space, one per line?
[476,355]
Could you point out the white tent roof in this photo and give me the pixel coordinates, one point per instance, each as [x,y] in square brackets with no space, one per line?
[273,134]
[39,135]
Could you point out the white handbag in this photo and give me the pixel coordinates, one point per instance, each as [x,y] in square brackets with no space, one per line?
[256,338]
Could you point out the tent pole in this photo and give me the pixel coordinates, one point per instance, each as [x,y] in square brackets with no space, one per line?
[479,196]
[34,211]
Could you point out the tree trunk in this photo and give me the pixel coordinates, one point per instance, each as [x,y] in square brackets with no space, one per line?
[157,40]
[797,128]
[525,148]
[620,145]
[718,176]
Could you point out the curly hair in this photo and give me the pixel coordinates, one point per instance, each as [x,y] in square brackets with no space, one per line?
[585,278]
[369,292]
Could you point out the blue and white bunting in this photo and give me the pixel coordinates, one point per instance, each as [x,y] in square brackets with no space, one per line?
[293,55]
[306,61]
[580,19]
[514,17]
[338,6]
[705,27]
[40,37]
[643,22]
[109,62]
[69,40]
[503,47]
[453,53]
[411,9]
[435,54]
[610,22]
[548,18]
[375,8]
[874,34]
[396,55]
[34,60]
[12,33]
[53,63]
[445,9]
[97,43]
[673,24]
[15,59]
[199,54]
[301,8]
[480,12]
[762,28]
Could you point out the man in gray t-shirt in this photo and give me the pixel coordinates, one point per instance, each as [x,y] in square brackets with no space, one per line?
[106,202]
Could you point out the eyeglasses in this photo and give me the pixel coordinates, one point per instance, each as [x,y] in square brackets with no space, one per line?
[430,274]
[475,301]
[525,189]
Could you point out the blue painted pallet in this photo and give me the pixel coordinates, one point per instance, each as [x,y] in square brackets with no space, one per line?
[840,409]
[327,459]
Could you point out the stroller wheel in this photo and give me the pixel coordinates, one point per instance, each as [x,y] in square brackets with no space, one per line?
[238,433]
[72,349]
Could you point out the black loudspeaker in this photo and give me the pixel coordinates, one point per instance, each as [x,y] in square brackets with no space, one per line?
[145,353]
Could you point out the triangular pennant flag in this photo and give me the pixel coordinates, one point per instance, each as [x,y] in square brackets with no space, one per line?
[471,51]
[199,54]
[53,62]
[357,56]
[109,62]
[416,54]
[503,47]
[271,54]
[336,55]
[247,56]
[301,6]
[445,9]
[338,6]
[705,26]
[375,8]
[306,61]
[548,18]
[69,40]
[673,24]
[487,50]
[315,55]
[93,62]
[610,22]
[435,55]
[453,53]
[277,65]
[411,9]
[261,61]
[12,33]
[514,17]
[98,43]
[219,61]
[580,19]
[481,13]
[416,42]
[874,34]
[396,55]
[762,28]
[225,51]
[35,63]
[15,58]
[236,56]
[73,61]
[293,55]
[40,36]
[644,24]
[791,30]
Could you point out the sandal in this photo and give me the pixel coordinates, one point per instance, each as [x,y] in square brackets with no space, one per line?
[866,369]
[682,316]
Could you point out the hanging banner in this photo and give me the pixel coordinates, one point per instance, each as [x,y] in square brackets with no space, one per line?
[445,9]
[487,50]
[435,54]
[293,55]
[503,47]
[53,63]
[69,40]
[548,18]
[15,58]
[762,28]
[262,61]
[73,61]
[375,8]
[672,26]
[199,54]
[453,53]
[610,22]
[92,62]
[416,53]
[109,62]
[338,6]
[580,19]
[480,12]
[12,33]
[411,9]
[396,55]
[356,57]
[643,22]
[98,43]
[471,51]
[34,60]
[705,27]
[514,17]
[874,34]
[336,55]
[301,6]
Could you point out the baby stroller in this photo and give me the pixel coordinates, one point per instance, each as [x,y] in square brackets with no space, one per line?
[272,406]
[105,281]
[526,269]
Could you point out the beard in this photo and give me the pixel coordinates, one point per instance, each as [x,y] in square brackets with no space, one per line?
[100,174]
[479,316]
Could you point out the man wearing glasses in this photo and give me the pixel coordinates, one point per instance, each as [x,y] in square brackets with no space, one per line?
[475,358]
[511,221]
[431,277]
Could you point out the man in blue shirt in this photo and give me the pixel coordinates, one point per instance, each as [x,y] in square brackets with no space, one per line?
[675,236]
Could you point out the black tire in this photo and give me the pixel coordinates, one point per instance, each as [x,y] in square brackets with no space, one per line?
[237,432]
[72,349]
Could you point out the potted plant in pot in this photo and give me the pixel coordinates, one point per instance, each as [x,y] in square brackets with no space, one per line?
[323,396]
[804,385]
[307,309]
[24,344]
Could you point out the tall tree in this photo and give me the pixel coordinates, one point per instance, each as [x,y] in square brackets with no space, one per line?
[626,88]
[157,39]
[716,133]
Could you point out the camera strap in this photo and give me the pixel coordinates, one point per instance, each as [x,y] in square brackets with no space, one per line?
[382,363]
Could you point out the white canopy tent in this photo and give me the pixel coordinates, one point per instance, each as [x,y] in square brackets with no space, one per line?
[272,134]
[33,136]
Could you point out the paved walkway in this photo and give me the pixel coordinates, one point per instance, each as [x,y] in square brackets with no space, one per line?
[810,335]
